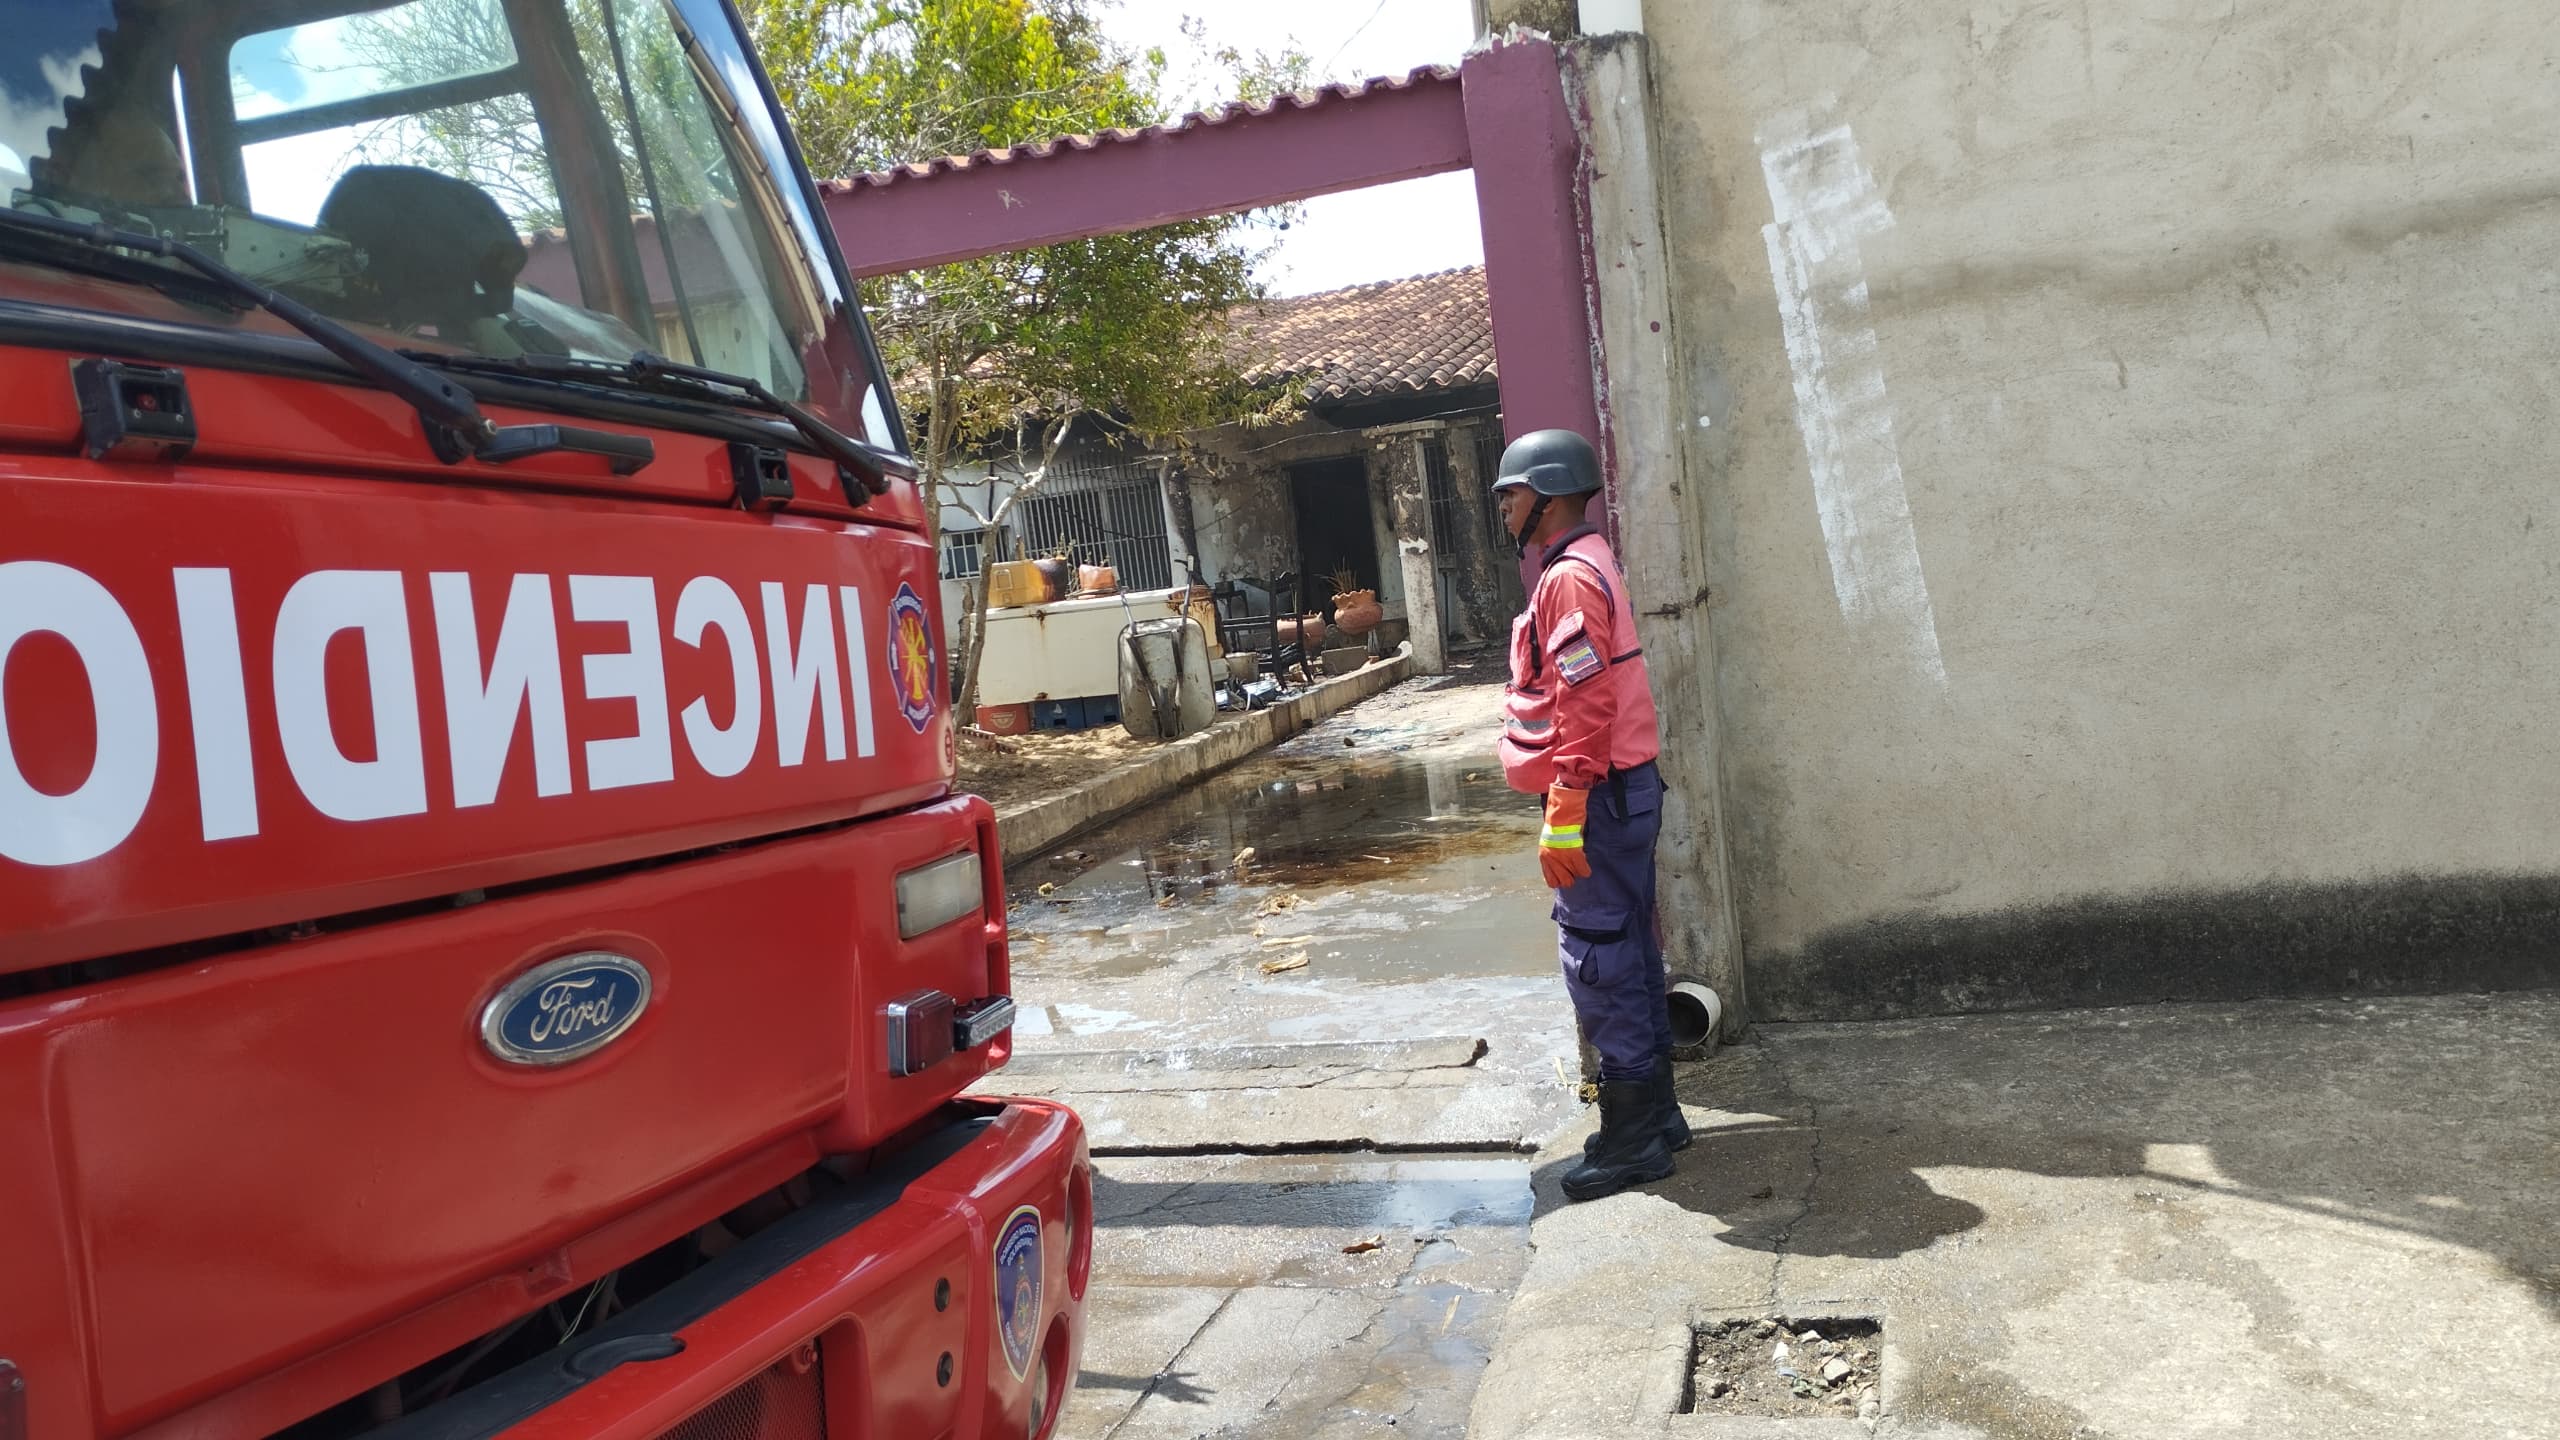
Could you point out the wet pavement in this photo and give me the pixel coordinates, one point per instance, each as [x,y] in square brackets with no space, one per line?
[1310,1015]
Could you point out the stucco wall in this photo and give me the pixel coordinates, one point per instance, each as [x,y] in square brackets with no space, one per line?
[1486,585]
[2124,466]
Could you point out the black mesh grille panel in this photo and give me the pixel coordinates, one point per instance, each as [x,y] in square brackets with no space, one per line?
[776,1405]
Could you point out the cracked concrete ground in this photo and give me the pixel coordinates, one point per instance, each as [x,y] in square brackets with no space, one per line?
[2279,1218]
[1312,1186]
[1231,1307]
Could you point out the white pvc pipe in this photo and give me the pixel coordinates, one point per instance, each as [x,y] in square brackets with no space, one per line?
[1688,1000]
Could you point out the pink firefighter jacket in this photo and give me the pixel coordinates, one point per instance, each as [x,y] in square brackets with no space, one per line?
[1580,704]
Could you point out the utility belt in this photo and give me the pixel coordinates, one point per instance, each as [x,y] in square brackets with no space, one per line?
[1617,780]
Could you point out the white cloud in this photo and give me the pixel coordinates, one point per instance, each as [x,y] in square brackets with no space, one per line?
[25,119]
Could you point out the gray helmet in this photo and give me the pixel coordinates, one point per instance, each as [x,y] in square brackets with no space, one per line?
[1550,462]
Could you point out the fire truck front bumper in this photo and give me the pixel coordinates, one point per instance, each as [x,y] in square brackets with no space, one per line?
[939,1295]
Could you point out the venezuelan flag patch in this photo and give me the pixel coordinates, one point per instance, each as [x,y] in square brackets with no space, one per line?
[1577,661]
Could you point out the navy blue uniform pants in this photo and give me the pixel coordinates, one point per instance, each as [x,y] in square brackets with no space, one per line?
[1605,928]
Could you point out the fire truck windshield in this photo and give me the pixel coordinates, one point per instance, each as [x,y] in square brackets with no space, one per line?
[590,179]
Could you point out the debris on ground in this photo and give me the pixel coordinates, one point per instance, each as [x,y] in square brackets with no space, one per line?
[1072,857]
[1242,856]
[1381,859]
[1363,1247]
[1286,900]
[1165,901]
[1271,941]
[1767,1367]
[1044,762]
[1047,889]
[1285,964]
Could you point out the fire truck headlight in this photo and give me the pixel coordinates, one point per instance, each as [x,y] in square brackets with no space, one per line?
[932,896]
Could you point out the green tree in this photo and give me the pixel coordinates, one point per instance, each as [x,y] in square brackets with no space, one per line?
[1001,359]
[498,142]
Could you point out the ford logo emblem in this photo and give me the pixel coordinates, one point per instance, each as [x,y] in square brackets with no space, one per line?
[566,1008]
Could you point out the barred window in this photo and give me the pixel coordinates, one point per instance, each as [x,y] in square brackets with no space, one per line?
[1101,505]
[964,554]
[1442,487]
[1488,464]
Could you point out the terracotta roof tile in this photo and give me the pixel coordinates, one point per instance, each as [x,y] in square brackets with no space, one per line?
[1428,332]
[1042,150]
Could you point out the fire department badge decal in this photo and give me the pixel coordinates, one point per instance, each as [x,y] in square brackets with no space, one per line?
[911,657]
[1018,1287]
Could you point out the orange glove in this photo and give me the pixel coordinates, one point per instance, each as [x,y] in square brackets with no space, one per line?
[1560,856]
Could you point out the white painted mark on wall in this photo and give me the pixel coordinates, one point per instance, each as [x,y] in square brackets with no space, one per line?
[1824,201]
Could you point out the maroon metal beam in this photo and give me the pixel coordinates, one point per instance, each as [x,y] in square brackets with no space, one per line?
[1527,187]
[1243,159]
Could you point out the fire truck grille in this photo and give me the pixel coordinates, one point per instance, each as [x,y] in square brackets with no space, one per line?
[776,1405]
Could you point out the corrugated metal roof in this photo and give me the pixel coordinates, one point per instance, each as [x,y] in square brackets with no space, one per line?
[1224,114]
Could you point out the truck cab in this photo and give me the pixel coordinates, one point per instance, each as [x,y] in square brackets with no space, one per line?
[489,944]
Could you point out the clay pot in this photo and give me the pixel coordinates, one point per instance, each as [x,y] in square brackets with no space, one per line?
[1097,580]
[1357,612]
[1306,632]
[1058,575]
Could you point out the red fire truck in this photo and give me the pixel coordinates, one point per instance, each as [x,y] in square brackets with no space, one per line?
[488,942]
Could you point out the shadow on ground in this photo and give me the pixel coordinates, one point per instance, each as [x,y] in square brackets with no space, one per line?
[2304,1215]
[2432,1118]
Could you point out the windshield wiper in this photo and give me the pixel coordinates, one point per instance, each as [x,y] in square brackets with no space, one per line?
[48,249]
[827,440]
[660,375]
[456,428]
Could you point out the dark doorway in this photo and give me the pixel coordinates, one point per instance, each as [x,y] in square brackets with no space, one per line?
[1335,528]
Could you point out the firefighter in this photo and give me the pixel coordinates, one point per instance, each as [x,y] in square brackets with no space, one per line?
[1579,727]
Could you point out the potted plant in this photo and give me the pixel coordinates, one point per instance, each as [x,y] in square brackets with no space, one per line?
[1058,572]
[1356,611]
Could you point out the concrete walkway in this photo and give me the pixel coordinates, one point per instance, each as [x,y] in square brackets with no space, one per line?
[1311,1182]
[2266,1220]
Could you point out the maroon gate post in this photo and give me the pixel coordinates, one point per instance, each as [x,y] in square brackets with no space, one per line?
[1527,164]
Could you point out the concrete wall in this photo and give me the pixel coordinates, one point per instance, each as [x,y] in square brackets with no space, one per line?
[1486,584]
[2117,443]
[1246,519]
[1391,469]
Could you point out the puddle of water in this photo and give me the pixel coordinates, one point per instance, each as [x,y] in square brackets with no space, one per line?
[1400,867]
[1322,1192]
[1452,1232]
[1433,1343]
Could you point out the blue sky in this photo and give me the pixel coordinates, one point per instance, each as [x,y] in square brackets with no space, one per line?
[38,32]
[37,65]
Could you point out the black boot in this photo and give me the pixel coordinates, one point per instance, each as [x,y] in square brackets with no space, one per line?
[1630,1151]
[1675,1126]
[1666,1100]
